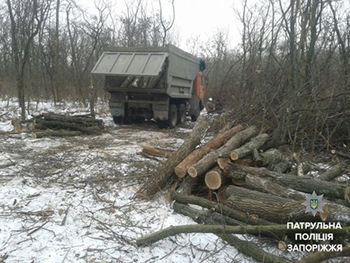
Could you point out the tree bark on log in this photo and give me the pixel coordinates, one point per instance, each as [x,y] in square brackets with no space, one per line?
[274,160]
[302,184]
[266,206]
[58,133]
[85,124]
[308,185]
[333,212]
[222,162]
[246,149]
[209,160]
[332,173]
[159,180]
[268,186]
[213,144]
[83,120]
[221,208]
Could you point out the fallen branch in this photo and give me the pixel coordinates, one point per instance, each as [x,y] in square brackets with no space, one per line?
[245,247]
[214,229]
[322,256]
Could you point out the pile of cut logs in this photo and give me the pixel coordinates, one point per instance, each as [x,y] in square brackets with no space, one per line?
[248,188]
[50,124]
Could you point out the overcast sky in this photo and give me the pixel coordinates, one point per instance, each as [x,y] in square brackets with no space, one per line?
[204,18]
[194,19]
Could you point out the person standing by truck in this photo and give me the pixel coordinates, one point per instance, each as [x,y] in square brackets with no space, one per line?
[210,106]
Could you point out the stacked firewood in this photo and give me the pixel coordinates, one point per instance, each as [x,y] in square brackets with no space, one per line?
[239,184]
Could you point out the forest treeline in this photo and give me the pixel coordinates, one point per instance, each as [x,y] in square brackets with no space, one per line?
[289,74]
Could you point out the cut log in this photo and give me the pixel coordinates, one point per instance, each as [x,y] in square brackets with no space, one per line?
[302,184]
[58,133]
[209,160]
[332,173]
[274,160]
[156,152]
[222,162]
[267,206]
[63,124]
[213,144]
[214,179]
[159,180]
[308,185]
[247,148]
[268,186]
[221,208]
[331,211]
[82,120]
[237,177]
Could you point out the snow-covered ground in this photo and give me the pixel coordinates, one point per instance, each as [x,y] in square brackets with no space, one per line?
[71,199]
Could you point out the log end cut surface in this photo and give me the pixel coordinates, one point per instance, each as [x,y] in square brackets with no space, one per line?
[181,173]
[192,171]
[213,180]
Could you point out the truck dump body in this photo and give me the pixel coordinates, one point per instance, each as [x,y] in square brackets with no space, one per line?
[130,64]
[143,81]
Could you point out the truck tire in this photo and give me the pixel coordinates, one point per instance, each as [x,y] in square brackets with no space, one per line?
[182,114]
[173,116]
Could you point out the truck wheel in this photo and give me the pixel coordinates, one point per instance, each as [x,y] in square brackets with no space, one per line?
[172,116]
[182,114]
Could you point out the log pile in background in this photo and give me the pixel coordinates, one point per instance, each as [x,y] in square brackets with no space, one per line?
[50,124]
[239,184]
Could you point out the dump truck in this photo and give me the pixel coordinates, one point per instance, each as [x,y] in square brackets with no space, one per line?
[161,83]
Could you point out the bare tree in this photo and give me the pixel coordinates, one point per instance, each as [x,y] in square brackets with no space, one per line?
[166,25]
[26,19]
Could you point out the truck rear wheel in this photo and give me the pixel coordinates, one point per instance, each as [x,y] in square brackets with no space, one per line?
[182,114]
[173,116]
